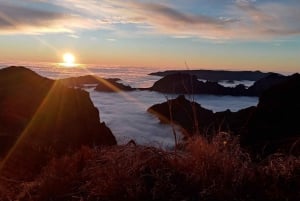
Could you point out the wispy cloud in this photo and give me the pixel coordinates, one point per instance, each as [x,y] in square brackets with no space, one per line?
[111,39]
[16,18]
[242,19]
[267,20]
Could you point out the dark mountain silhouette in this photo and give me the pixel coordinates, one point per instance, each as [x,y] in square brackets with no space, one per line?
[41,112]
[265,83]
[217,75]
[183,113]
[178,83]
[80,81]
[193,118]
[270,126]
[103,84]
[183,83]
[276,119]
[189,84]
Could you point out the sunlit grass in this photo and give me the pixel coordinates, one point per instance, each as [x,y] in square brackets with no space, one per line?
[215,169]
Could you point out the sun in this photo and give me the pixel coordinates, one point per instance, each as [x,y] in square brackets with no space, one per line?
[69,59]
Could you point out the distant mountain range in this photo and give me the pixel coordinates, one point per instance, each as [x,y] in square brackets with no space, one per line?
[217,75]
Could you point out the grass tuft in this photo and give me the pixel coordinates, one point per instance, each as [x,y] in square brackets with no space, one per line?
[204,169]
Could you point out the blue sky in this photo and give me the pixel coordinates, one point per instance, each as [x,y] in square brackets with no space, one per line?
[223,34]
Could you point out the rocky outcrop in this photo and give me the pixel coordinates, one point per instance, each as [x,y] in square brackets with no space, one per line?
[42,112]
[102,84]
[265,83]
[193,118]
[276,119]
[189,84]
[235,123]
[190,116]
[176,83]
[107,85]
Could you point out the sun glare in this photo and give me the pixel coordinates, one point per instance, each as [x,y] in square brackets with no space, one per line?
[69,60]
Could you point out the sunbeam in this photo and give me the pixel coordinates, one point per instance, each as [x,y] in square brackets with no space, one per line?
[27,128]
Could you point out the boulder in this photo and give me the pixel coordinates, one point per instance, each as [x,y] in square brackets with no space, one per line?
[42,112]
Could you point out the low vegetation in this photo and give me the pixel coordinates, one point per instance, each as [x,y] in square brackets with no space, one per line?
[203,169]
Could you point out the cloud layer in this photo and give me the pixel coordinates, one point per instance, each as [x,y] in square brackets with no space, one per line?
[17,19]
[242,19]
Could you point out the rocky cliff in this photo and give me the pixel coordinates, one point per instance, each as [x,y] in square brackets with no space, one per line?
[41,112]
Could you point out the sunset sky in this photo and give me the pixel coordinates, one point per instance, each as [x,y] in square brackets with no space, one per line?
[206,34]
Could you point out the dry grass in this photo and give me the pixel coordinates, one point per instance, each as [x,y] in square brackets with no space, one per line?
[205,169]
